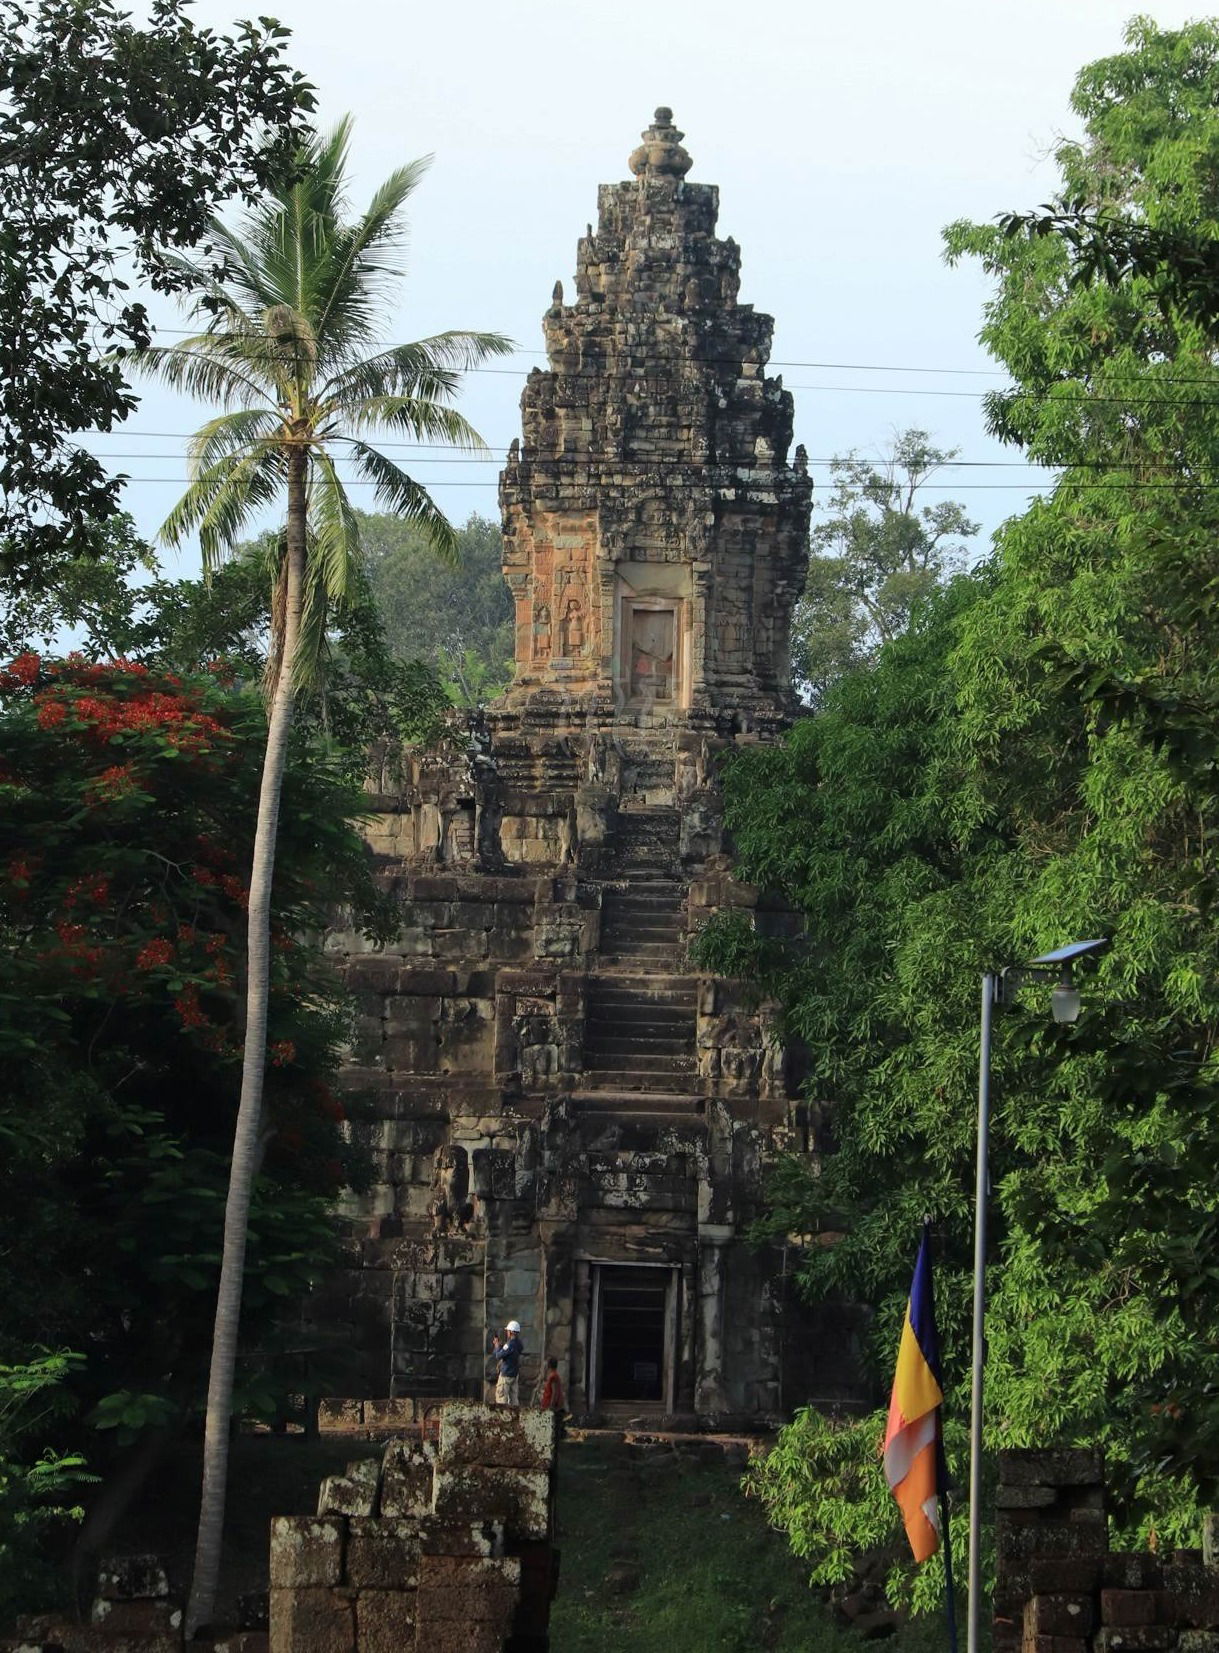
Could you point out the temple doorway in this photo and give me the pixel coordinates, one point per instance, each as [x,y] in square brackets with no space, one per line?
[634,1323]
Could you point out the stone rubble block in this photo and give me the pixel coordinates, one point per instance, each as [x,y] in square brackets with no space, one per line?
[1066,1467]
[1131,1571]
[1060,1615]
[1198,1641]
[1146,1638]
[519,1498]
[507,1437]
[453,1636]
[312,1621]
[482,1538]
[1128,1607]
[406,1480]
[137,1619]
[1060,1539]
[133,1578]
[381,1554]
[352,1493]
[385,1621]
[306,1552]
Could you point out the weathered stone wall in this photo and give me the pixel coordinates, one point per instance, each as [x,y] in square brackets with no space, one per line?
[550,1090]
[443,1545]
[1059,1588]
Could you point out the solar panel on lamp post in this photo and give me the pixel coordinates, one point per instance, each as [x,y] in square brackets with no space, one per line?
[997,987]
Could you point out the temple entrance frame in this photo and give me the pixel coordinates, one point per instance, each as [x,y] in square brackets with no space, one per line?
[609,1280]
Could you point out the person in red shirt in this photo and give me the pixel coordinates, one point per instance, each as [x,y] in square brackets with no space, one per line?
[552,1391]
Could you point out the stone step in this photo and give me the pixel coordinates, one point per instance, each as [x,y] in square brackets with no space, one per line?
[636,1105]
[613,1038]
[627,1019]
[640,1061]
[627,1079]
[670,990]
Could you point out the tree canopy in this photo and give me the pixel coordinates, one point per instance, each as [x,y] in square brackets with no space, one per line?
[120,143]
[876,551]
[1033,763]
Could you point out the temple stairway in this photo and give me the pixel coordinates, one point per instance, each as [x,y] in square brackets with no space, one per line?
[639,1030]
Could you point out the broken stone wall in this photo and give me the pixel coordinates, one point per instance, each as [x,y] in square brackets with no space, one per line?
[1059,1588]
[443,1545]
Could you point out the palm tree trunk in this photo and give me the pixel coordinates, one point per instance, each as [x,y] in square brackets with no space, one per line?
[245,1141]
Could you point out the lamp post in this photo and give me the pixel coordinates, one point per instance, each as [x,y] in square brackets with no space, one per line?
[997,988]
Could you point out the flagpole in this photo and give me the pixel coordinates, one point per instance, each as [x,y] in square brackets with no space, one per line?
[990,984]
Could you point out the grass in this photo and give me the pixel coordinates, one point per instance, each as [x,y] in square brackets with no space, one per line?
[662,1553]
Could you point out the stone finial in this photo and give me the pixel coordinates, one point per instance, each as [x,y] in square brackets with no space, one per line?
[556,298]
[661,154]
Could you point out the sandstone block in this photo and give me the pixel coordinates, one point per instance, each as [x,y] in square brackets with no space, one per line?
[1131,1570]
[483,1538]
[1191,1597]
[312,1621]
[406,1485]
[1073,1467]
[137,1620]
[1077,1575]
[1143,1638]
[352,1493]
[1060,1539]
[1128,1607]
[132,1578]
[519,1498]
[306,1552]
[385,1621]
[1198,1641]
[498,1437]
[452,1636]
[381,1554]
[1058,1615]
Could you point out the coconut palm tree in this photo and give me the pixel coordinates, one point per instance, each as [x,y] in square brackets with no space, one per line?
[288,346]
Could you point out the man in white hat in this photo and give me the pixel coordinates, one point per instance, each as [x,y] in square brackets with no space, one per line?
[508,1365]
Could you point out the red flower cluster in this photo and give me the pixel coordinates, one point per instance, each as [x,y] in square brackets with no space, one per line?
[153,954]
[91,888]
[190,1010]
[116,782]
[22,671]
[282,1052]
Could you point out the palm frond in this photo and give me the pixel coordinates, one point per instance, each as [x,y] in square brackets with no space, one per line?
[416,416]
[401,494]
[335,529]
[221,500]
[205,367]
[229,433]
[428,367]
[365,258]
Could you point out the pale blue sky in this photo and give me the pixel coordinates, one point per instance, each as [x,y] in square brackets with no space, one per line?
[842,136]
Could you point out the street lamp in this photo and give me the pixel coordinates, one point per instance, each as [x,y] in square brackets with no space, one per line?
[998,987]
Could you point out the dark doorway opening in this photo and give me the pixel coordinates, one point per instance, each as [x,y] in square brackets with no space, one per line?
[634,1342]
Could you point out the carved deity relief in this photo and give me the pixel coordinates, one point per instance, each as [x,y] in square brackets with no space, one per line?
[541,631]
[571,629]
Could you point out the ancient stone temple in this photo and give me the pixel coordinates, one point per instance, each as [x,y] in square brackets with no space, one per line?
[571,1122]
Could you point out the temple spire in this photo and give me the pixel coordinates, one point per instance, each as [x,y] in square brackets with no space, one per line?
[661,155]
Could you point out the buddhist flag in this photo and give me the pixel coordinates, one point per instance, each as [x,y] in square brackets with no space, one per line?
[913,1454]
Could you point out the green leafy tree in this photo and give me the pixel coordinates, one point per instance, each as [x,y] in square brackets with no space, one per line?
[128,814]
[875,554]
[303,297]
[39,1485]
[455,617]
[1033,762]
[120,143]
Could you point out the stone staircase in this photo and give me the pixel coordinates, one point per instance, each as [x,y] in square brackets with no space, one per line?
[639,1035]
[643,912]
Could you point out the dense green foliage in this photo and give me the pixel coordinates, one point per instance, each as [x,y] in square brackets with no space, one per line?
[119,144]
[876,551]
[456,617]
[128,810]
[1035,763]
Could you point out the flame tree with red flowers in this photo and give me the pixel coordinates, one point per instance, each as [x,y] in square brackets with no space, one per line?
[128,802]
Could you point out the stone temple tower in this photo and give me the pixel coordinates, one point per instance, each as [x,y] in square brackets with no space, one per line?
[571,1121]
